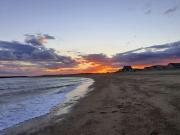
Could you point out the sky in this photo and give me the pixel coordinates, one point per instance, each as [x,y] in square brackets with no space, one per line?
[75,36]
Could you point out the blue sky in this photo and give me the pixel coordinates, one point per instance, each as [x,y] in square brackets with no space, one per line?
[92,26]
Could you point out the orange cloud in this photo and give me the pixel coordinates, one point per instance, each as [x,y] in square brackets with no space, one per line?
[85,66]
[89,66]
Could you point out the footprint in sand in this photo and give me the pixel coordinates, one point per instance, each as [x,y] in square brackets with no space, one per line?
[115,111]
[120,106]
[91,112]
[103,112]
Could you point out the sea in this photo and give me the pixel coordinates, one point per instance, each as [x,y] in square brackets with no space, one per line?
[22,99]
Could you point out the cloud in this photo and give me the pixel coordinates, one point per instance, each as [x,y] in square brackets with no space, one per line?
[26,52]
[148,12]
[48,36]
[98,63]
[151,6]
[156,54]
[96,58]
[149,55]
[31,55]
[171,10]
[18,68]
[18,58]
[37,39]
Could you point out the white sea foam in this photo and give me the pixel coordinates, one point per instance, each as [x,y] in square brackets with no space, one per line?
[25,98]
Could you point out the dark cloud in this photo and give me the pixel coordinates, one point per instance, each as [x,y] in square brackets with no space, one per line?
[3,72]
[18,51]
[148,55]
[97,58]
[41,56]
[171,10]
[48,36]
[37,39]
[141,56]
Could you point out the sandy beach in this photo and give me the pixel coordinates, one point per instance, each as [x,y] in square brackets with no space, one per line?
[122,104]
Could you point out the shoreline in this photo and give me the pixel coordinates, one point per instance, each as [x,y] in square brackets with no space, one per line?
[56,113]
[123,104]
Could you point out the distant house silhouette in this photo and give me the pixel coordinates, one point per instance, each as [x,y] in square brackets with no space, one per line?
[173,65]
[127,69]
[170,66]
[155,67]
[163,67]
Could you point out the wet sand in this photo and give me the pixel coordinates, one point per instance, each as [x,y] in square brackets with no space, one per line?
[123,104]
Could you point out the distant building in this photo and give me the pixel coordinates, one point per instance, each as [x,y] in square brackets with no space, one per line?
[170,66]
[173,65]
[127,69]
[155,67]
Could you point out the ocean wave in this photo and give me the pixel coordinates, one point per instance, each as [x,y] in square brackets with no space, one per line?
[32,99]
